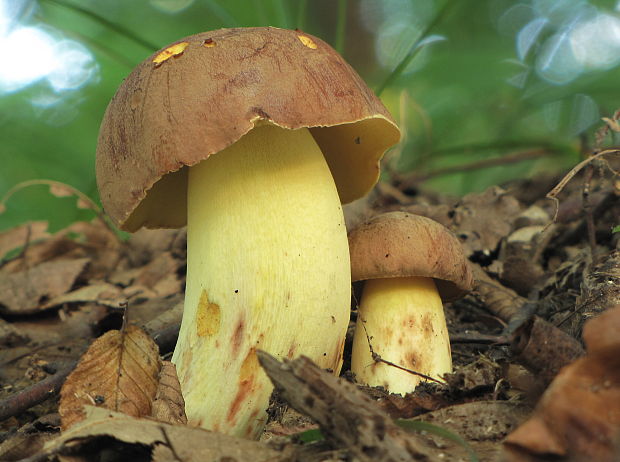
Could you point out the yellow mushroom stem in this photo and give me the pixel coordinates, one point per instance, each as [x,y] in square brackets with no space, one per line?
[267,268]
[404,320]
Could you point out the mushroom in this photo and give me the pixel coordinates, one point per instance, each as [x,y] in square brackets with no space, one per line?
[253,138]
[409,264]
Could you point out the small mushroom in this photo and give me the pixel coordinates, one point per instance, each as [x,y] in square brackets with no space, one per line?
[409,264]
[252,144]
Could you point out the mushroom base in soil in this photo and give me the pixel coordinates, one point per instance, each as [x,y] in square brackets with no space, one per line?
[409,265]
[404,322]
[268,268]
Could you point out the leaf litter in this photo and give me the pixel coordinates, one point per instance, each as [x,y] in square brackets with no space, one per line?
[535,292]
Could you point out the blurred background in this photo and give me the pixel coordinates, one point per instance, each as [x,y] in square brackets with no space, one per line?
[469,81]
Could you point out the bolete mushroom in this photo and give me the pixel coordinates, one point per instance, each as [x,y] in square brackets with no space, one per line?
[409,264]
[253,137]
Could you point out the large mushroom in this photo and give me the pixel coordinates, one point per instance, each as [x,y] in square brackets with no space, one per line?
[409,264]
[253,138]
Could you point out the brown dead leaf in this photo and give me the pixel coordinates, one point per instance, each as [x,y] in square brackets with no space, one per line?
[482,220]
[101,293]
[157,279]
[578,417]
[482,374]
[79,240]
[145,244]
[169,405]
[25,292]
[10,335]
[118,372]
[169,442]
[21,235]
[479,420]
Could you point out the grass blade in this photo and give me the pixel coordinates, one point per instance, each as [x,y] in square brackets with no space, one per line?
[107,23]
[415,48]
[300,23]
[341,25]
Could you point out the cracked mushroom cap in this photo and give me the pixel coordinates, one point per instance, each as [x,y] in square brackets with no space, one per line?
[399,244]
[203,93]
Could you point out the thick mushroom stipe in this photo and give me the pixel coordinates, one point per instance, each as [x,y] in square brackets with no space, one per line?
[404,321]
[268,268]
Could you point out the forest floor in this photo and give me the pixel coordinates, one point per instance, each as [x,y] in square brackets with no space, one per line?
[535,345]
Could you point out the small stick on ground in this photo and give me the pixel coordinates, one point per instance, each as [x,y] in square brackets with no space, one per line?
[587,208]
[569,176]
[345,414]
[501,301]
[35,394]
[378,359]
[410,181]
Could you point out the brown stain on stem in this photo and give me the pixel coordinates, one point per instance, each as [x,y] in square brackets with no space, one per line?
[237,337]
[247,383]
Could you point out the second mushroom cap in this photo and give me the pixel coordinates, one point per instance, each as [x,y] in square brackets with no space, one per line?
[400,244]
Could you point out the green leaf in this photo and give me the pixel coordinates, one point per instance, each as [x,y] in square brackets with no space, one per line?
[309,436]
[418,425]
[615,229]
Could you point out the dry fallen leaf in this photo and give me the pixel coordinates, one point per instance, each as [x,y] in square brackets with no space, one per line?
[578,417]
[169,442]
[157,279]
[14,238]
[25,292]
[483,219]
[118,372]
[101,293]
[169,405]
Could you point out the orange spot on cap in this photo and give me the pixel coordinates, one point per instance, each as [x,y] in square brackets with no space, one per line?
[209,43]
[173,50]
[307,41]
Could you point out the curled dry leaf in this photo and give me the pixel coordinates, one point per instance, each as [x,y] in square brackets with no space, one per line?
[118,372]
[169,442]
[169,405]
[25,292]
[101,293]
[578,417]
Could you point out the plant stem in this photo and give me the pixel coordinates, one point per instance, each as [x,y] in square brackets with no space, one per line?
[415,48]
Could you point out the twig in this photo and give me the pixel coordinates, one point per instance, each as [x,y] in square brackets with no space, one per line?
[378,359]
[35,394]
[569,176]
[587,208]
[482,339]
[520,156]
[346,415]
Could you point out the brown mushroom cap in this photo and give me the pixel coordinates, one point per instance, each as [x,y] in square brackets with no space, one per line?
[198,96]
[398,244]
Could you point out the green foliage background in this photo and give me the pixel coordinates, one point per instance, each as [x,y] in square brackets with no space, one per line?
[462,98]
